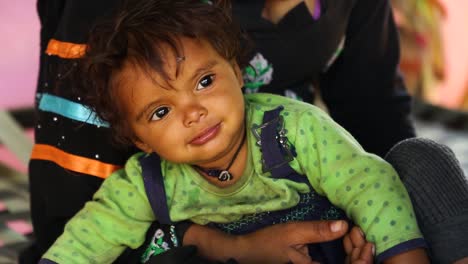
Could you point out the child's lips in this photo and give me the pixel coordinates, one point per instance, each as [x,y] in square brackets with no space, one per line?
[206,135]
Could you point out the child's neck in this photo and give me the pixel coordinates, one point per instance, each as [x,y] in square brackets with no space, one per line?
[236,169]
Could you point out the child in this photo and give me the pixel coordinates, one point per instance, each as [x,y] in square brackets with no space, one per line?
[165,75]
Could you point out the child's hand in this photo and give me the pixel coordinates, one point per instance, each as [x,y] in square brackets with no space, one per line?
[358,250]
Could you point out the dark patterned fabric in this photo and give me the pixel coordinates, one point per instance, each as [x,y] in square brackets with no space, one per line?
[311,206]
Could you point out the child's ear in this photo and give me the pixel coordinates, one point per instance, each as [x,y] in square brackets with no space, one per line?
[143,146]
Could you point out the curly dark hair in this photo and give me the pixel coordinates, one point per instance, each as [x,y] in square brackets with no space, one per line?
[136,32]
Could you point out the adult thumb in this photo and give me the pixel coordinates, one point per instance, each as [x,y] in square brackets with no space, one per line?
[318,231]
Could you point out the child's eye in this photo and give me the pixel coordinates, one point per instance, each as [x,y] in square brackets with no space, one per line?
[160,113]
[205,82]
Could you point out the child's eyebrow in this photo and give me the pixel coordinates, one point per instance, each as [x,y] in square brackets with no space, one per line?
[145,109]
[208,65]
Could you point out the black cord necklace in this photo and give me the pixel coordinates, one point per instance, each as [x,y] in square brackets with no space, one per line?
[222,175]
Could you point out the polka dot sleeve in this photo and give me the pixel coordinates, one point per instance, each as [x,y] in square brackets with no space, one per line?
[118,216]
[363,184]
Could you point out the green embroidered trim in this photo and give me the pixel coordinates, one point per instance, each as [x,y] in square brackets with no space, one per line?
[257,74]
[158,245]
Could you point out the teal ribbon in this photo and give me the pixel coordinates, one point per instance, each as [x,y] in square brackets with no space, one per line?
[69,109]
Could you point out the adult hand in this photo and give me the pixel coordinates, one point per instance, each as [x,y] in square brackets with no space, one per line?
[279,243]
[357,249]
[288,242]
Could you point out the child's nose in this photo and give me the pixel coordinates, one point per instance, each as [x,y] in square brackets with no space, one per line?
[194,113]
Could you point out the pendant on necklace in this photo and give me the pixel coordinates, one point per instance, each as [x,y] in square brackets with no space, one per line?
[224,176]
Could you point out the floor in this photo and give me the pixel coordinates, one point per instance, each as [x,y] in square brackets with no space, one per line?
[15,226]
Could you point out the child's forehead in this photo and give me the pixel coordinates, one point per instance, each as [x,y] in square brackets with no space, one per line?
[195,53]
[188,48]
[191,57]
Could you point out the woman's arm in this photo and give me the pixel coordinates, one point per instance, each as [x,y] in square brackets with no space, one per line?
[363,89]
[279,243]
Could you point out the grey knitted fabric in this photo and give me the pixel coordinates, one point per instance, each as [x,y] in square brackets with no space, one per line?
[439,192]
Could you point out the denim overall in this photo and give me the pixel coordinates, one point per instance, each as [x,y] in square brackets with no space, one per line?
[277,153]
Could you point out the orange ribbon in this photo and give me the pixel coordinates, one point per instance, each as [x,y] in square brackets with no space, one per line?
[73,162]
[65,50]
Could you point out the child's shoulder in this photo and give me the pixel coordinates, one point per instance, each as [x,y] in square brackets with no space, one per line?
[266,101]
[128,176]
[132,165]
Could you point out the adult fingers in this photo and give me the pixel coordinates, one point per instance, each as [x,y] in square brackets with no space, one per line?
[362,255]
[359,262]
[355,254]
[348,245]
[316,231]
[304,249]
[298,257]
[357,237]
[367,253]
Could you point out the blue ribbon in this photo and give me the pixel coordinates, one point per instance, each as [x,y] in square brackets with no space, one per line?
[69,109]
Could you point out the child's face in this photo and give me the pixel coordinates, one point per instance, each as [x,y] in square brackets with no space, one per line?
[197,117]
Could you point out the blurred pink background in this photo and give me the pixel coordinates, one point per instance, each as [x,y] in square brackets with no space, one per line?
[19,52]
[455,44]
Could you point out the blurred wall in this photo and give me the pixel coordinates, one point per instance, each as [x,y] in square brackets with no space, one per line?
[455,34]
[19,52]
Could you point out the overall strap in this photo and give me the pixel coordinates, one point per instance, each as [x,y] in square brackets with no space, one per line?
[154,186]
[276,150]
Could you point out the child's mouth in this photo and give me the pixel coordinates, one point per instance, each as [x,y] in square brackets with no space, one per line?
[206,135]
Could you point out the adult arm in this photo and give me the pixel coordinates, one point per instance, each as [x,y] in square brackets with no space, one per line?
[363,89]
[279,243]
